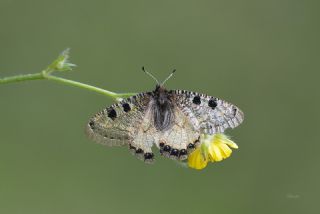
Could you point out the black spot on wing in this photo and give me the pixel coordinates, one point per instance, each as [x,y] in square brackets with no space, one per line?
[183,152]
[213,103]
[148,156]
[174,152]
[112,113]
[139,151]
[126,107]
[196,100]
[234,111]
[91,124]
[190,146]
[166,148]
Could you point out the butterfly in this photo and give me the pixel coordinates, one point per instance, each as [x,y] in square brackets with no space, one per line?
[171,120]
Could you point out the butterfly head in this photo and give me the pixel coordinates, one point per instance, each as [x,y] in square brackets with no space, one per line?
[161,95]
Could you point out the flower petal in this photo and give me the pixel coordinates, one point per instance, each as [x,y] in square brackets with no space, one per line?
[232,144]
[197,160]
[226,140]
[217,156]
[225,150]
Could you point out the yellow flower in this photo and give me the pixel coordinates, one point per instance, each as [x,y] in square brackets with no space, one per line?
[212,148]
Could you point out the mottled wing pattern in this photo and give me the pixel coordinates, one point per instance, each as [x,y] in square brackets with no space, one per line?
[180,140]
[208,114]
[115,125]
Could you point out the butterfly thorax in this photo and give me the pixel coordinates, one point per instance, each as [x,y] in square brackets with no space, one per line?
[162,109]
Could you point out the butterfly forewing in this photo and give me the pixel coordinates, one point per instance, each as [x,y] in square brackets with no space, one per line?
[116,125]
[208,114]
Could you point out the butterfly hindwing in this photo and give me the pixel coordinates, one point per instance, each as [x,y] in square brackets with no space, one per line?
[208,114]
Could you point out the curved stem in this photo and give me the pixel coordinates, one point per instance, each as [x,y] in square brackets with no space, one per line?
[43,75]
[62,64]
[81,85]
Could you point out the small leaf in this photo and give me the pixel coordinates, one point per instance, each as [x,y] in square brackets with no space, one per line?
[61,63]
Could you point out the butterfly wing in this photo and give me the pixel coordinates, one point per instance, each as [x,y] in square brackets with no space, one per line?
[208,114]
[115,125]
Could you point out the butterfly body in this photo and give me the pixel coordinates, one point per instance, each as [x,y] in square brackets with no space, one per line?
[172,120]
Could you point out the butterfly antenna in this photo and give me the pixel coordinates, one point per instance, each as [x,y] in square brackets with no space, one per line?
[144,70]
[174,70]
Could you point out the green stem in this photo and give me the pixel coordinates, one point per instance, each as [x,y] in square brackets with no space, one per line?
[62,64]
[20,78]
[43,75]
[82,85]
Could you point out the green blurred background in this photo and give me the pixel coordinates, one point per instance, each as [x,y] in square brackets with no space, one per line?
[260,55]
